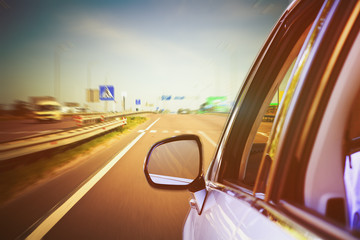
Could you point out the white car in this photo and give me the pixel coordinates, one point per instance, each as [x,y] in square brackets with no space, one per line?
[295,175]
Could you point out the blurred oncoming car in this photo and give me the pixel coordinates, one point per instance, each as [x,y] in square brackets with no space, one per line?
[47,110]
[183,111]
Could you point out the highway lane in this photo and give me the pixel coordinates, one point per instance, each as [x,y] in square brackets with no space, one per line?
[121,205]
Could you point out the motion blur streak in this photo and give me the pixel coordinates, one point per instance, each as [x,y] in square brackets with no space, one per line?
[50,222]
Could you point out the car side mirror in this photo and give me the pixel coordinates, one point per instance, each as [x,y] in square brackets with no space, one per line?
[175,163]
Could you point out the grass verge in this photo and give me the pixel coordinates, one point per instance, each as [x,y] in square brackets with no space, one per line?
[20,177]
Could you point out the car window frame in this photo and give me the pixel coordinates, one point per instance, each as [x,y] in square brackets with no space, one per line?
[214,168]
[270,166]
[261,67]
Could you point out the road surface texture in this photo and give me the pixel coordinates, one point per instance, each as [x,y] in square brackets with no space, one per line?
[104,195]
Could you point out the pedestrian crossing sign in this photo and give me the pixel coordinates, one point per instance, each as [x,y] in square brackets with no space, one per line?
[107,93]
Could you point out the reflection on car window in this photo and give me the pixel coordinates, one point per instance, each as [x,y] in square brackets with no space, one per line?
[352,186]
[249,172]
[352,166]
[323,179]
[261,127]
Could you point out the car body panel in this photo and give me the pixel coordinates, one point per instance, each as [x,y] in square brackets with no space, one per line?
[226,217]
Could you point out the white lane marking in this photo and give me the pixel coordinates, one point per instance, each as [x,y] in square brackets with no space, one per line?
[189,132]
[165,131]
[208,138]
[176,131]
[55,217]
[152,124]
[141,131]
[153,131]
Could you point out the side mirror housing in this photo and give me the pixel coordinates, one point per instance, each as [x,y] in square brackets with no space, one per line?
[175,163]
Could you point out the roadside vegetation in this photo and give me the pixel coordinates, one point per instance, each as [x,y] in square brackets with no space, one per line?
[17,178]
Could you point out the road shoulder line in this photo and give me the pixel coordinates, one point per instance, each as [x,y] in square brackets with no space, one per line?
[207,138]
[152,124]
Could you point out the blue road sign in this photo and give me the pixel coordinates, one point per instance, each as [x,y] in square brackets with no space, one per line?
[165,97]
[137,101]
[179,97]
[106,93]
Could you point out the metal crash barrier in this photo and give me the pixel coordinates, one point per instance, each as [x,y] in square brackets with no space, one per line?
[89,125]
[22,147]
[82,120]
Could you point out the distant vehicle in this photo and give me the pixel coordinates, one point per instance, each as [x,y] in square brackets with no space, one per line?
[287,171]
[47,110]
[81,110]
[65,110]
[183,111]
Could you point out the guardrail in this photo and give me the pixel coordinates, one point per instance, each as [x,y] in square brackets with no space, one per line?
[269,117]
[104,113]
[82,120]
[29,145]
[24,147]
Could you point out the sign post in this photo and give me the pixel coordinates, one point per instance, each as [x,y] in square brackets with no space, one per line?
[137,103]
[124,95]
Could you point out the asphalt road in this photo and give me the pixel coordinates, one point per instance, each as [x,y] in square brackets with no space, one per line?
[91,200]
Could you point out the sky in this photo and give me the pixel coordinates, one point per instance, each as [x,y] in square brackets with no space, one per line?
[145,49]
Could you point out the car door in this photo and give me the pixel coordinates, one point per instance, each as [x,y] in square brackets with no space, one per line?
[230,209]
[317,161]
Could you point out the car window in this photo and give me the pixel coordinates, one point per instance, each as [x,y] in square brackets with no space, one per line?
[257,111]
[249,168]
